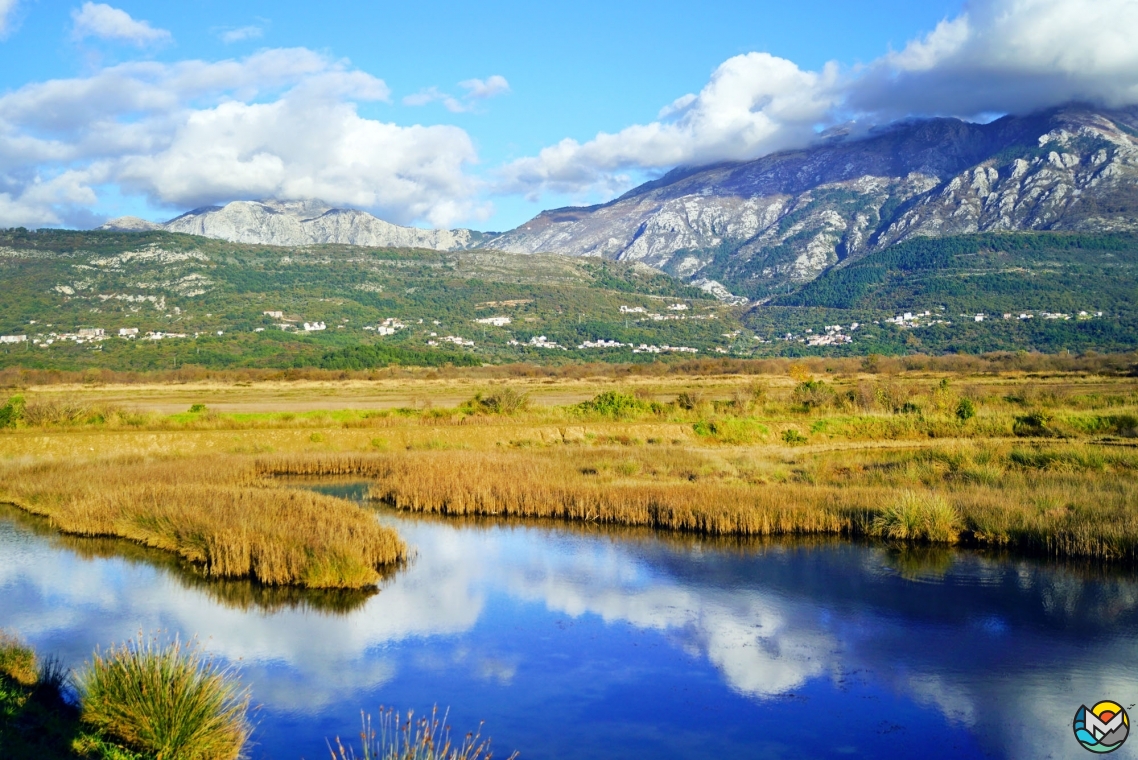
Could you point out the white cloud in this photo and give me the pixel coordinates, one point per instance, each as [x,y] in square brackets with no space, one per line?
[753,104]
[491,87]
[996,56]
[476,89]
[7,8]
[107,23]
[241,34]
[280,123]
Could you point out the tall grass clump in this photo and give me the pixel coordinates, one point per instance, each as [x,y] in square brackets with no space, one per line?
[167,701]
[392,737]
[17,660]
[918,516]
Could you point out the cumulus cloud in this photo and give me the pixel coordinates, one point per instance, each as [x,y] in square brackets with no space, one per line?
[476,89]
[996,56]
[240,34]
[754,103]
[107,23]
[281,123]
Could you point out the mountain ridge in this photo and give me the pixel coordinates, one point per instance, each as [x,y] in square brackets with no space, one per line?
[295,223]
[780,221]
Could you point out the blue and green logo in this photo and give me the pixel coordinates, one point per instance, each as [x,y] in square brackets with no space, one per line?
[1102,728]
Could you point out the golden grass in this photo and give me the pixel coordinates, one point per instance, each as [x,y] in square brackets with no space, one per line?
[17,660]
[1071,500]
[1028,465]
[213,512]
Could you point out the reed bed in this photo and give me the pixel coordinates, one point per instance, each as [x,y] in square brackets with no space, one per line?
[215,513]
[1063,500]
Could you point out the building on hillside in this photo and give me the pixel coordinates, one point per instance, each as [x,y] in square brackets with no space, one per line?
[314,326]
[13,338]
[128,332]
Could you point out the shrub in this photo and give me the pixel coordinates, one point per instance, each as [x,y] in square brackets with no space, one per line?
[792,437]
[813,394]
[731,430]
[689,400]
[424,739]
[166,701]
[918,517]
[1035,424]
[12,412]
[197,408]
[614,404]
[505,401]
[965,410]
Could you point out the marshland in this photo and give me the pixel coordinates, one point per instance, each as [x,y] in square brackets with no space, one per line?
[511,543]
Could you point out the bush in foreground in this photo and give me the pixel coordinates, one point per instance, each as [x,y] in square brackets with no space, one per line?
[165,701]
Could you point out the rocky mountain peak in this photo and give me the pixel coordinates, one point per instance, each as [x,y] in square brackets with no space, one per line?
[761,226]
[300,222]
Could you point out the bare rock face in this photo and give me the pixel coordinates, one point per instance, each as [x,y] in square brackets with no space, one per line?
[291,223]
[762,226]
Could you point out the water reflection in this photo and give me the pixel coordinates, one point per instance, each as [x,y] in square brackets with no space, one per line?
[587,642]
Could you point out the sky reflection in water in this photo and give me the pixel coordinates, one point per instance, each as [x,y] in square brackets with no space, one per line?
[571,644]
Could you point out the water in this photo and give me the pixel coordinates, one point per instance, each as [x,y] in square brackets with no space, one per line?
[575,643]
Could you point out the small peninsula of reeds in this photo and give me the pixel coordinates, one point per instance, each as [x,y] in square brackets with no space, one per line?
[214,512]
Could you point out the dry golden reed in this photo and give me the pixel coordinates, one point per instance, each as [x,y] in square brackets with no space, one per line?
[213,512]
[1063,499]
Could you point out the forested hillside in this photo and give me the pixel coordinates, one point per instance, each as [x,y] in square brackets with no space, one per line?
[184,300]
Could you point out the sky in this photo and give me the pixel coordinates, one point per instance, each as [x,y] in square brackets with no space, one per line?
[444,114]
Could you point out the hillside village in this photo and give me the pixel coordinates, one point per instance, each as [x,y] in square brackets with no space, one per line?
[821,337]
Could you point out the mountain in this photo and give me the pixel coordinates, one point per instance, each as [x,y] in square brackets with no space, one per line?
[768,226]
[293,223]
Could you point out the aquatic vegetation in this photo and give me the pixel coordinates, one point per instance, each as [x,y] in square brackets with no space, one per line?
[393,737]
[213,512]
[1059,499]
[167,701]
[918,516]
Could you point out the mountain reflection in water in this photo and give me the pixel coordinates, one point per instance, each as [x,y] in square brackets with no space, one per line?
[574,643]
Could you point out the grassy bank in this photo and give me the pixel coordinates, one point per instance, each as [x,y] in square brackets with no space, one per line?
[1058,499]
[213,512]
[1041,462]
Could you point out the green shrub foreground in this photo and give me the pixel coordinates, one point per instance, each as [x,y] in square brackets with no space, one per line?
[166,701]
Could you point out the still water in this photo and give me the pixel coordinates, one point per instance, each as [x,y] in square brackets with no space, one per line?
[576,643]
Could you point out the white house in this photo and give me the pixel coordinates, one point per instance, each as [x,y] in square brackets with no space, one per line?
[128,332]
[13,338]
[314,326]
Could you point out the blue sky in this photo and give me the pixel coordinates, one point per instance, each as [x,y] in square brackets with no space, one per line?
[561,73]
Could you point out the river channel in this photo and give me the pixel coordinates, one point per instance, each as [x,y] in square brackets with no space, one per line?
[580,642]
